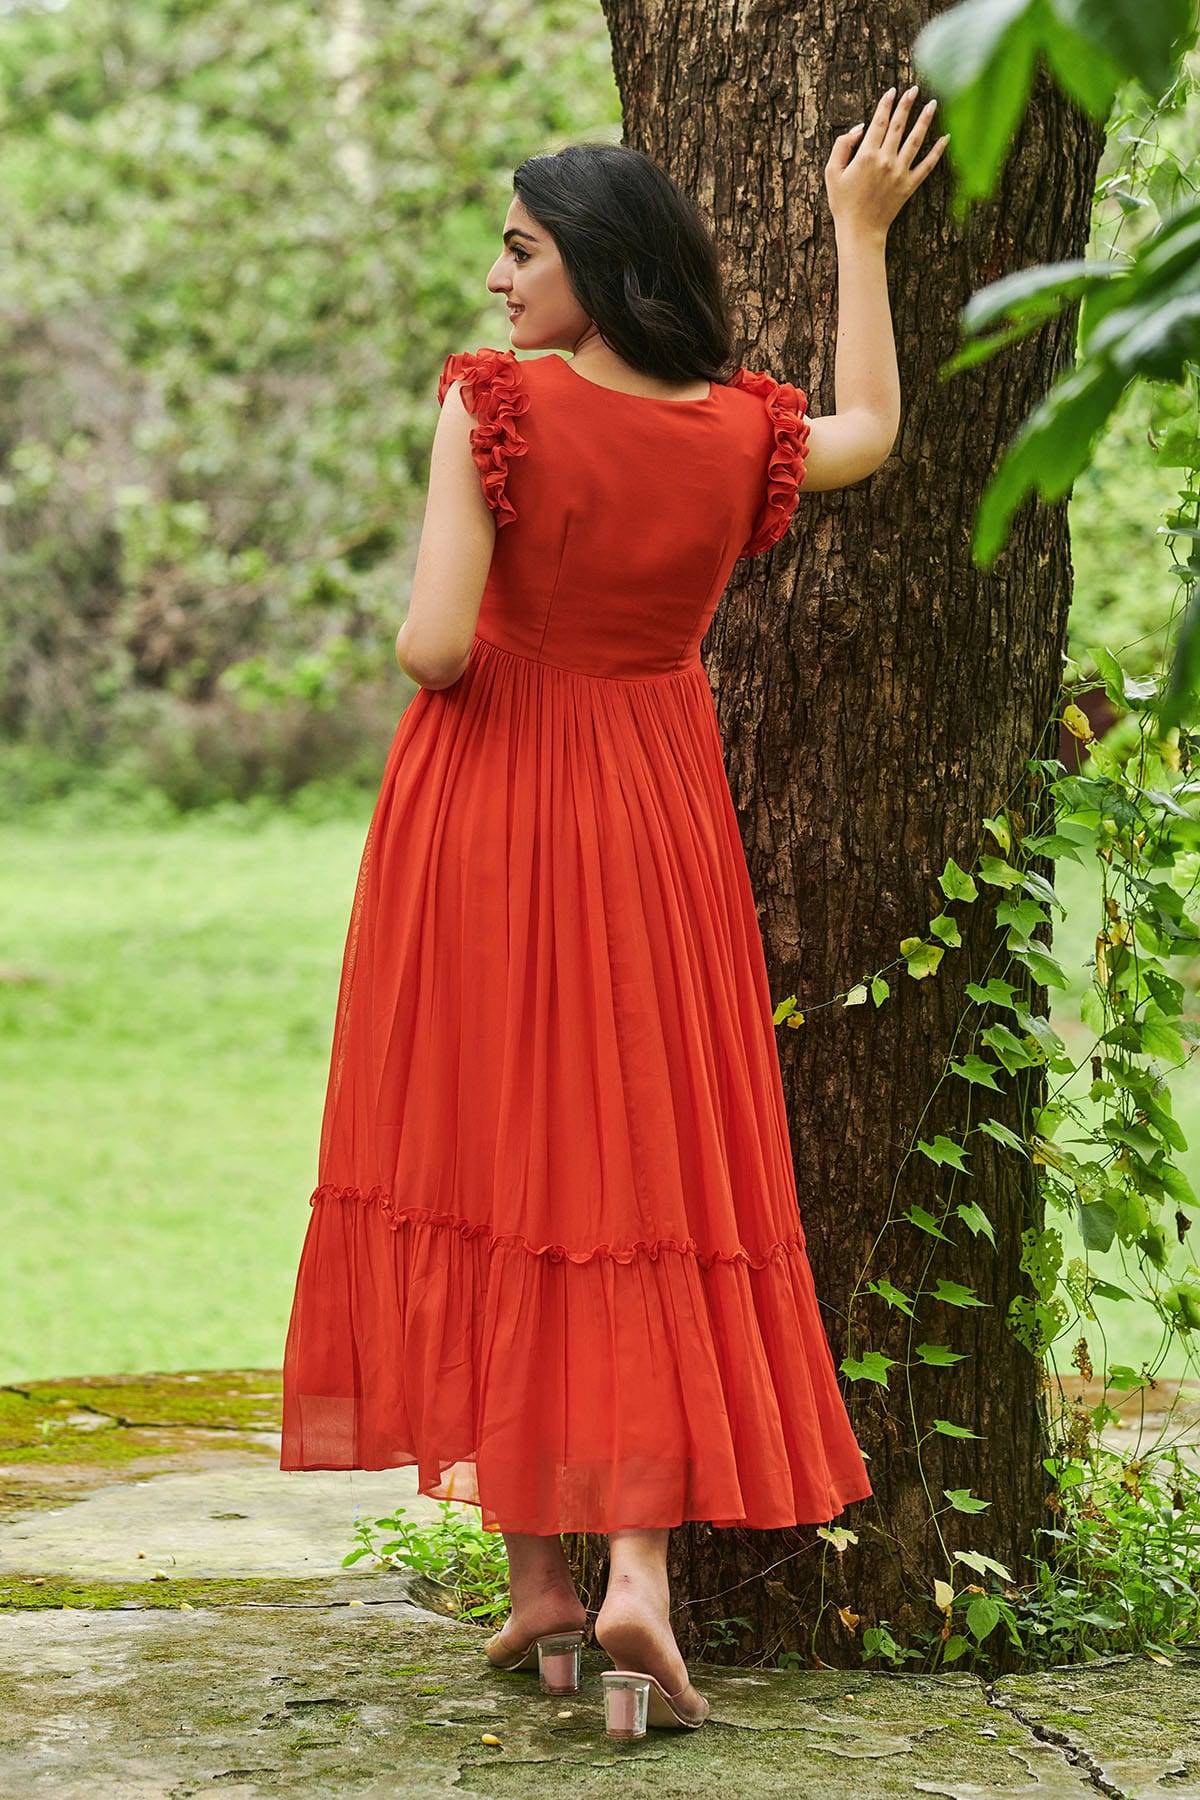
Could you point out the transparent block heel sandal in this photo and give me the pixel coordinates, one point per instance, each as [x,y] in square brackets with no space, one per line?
[558,1658]
[633,1701]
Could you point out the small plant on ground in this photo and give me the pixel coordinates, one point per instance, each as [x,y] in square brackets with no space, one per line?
[454,1551]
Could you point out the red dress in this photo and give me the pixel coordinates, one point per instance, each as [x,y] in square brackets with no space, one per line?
[554,1256]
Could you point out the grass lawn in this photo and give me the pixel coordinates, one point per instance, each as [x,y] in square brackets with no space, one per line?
[164,1065]
[164,1074]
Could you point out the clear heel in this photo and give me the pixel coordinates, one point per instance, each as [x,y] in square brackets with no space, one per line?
[626,1704]
[560,1662]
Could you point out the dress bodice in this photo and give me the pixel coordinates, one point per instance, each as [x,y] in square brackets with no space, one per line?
[620,516]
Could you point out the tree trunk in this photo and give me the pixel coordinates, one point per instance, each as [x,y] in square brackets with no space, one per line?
[878,697]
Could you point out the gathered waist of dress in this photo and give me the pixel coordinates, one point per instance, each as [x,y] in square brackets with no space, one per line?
[687,669]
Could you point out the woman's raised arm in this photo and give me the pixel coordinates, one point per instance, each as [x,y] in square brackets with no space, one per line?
[866,189]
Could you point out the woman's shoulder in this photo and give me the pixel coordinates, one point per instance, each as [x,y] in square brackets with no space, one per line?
[485,369]
[493,390]
[782,421]
[764,392]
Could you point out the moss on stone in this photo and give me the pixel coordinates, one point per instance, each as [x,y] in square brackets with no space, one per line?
[222,1399]
[106,1424]
[32,1593]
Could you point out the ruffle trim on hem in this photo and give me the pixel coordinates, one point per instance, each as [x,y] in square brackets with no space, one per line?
[579,1398]
[787,409]
[492,389]
[461,1488]
[397,1216]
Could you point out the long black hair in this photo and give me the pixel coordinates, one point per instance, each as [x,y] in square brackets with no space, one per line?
[640,259]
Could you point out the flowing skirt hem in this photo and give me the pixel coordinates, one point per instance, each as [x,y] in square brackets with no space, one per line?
[637,1390]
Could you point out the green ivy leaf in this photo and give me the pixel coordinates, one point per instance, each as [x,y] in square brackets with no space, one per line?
[922,959]
[983,1615]
[1042,967]
[1000,830]
[1111,674]
[1177,1184]
[963,1500]
[1008,1047]
[1162,1040]
[1097,1225]
[982,1565]
[871,1367]
[995,1128]
[945,927]
[1022,918]
[1034,1323]
[1041,1257]
[939,1356]
[998,873]
[976,1220]
[1036,884]
[956,883]
[925,1221]
[955,1294]
[1036,1026]
[955,1431]
[978,1072]
[1049,450]
[893,1295]
[943,1150]
[1160,1117]
[993,992]
[1054,847]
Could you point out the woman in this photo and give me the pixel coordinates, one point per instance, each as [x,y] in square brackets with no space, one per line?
[554,1256]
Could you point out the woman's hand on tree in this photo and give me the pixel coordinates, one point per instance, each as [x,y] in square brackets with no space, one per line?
[871,173]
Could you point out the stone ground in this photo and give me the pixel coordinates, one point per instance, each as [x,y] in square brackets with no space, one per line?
[175,1619]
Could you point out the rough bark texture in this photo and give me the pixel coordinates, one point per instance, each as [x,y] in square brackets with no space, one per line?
[879,697]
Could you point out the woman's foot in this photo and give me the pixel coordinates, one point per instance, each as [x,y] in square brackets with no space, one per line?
[634,1625]
[542,1597]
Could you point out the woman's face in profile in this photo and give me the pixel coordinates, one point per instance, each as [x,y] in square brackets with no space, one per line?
[543,312]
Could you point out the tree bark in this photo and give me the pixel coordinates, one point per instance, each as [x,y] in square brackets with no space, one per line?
[878,697]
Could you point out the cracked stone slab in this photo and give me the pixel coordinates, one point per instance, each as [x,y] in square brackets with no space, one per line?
[117,1478]
[240,1517]
[371,1701]
[1132,1723]
[235,1651]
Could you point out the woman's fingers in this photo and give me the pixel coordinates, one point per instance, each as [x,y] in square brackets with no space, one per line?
[916,136]
[887,128]
[932,156]
[899,118]
[844,146]
[877,130]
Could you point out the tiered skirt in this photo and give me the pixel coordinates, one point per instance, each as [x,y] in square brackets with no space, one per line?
[554,1256]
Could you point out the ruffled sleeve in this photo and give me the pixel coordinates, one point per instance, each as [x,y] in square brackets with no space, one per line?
[494,391]
[787,409]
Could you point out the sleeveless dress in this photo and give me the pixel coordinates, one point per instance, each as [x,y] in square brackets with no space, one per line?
[554,1257]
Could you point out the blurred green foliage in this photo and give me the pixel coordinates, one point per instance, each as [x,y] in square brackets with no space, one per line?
[238,244]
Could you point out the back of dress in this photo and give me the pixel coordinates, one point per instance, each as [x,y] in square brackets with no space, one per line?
[555,1256]
[620,516]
